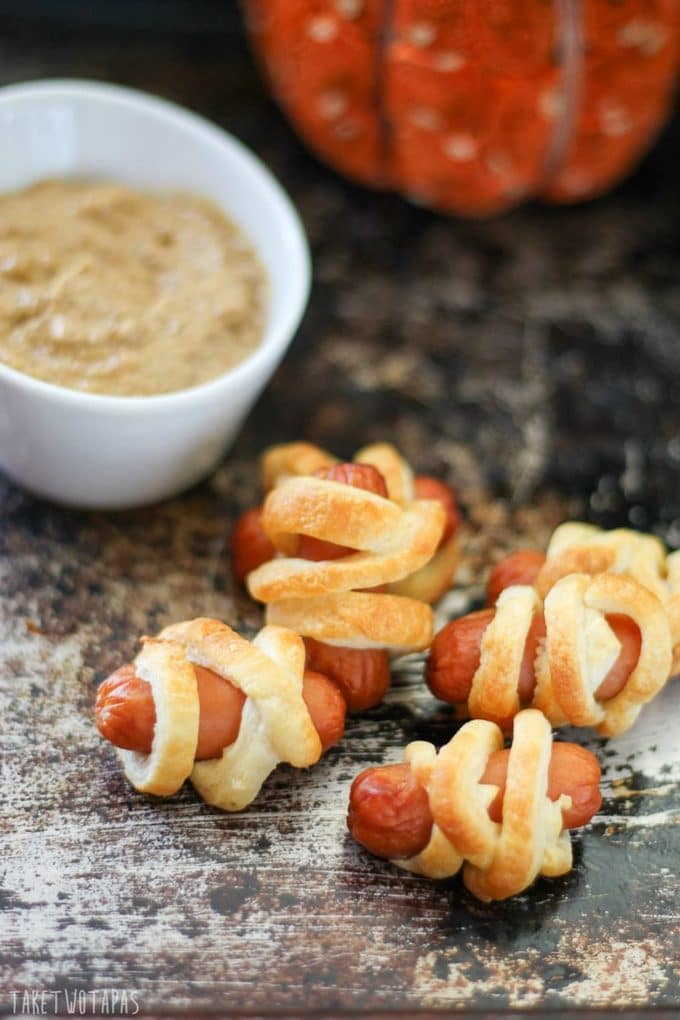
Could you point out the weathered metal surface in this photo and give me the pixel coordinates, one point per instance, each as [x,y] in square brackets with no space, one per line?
[532,361]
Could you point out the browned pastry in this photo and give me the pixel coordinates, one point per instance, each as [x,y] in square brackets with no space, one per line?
[347,555]
[581,548]
[592,654]
[326,599]
[438,814]
[271,714]
[291,460]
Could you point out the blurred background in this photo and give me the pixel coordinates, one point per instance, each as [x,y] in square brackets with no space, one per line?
[535,351]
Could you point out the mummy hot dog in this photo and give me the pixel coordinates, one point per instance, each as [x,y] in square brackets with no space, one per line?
[582,548]
[251,547]
[202,703]
[596,651]
[381,544]
[500,815]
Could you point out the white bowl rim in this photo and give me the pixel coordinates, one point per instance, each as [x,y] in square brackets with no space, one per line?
[278,333]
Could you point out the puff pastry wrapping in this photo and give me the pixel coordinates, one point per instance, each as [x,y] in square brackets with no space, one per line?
[396,541]
[275,723]
[429,581]
[576,547]
[579,649]
[171,677]
[502,859]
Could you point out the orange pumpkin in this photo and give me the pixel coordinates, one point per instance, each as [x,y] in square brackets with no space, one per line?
[472,105]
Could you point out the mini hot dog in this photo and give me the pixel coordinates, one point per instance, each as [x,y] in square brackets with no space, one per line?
[592,653]
[201,702]
[455,655]
[500,815]
[521,567]
[362,674]
[125,713]
[389,811]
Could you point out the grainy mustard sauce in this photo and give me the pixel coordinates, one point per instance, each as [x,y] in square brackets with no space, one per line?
[114,291]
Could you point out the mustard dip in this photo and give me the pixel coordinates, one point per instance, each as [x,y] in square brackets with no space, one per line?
[114,291]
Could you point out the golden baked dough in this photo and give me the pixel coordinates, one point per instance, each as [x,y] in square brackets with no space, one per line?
[355,619]
[499,859]
[427,583]
[275,724]
[320,599]
[434,578]
[292,459]
[494,689]
[171,677]
[579,649]
[583,548]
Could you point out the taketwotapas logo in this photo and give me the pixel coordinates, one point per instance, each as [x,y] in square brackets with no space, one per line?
[73,1002]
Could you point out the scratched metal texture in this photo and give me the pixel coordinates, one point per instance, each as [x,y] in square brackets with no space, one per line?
[532,361]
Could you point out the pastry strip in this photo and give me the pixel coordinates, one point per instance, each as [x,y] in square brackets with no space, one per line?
[173,685]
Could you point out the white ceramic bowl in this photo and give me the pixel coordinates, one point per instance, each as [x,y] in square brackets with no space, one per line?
[113,452]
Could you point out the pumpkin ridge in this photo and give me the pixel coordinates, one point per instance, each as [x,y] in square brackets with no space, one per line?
[385,125]
[569,30]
